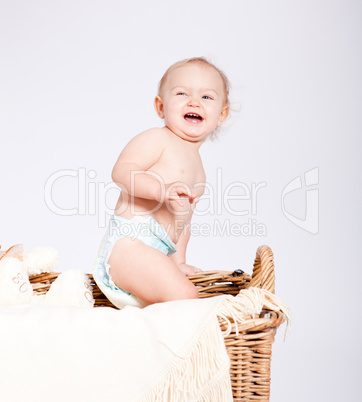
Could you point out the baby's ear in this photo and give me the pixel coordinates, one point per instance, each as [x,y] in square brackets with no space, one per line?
[158,104]
[223,115]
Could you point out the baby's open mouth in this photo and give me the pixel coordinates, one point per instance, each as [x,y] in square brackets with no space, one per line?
[193,118]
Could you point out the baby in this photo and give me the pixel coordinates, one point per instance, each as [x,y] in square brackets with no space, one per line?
[142,257]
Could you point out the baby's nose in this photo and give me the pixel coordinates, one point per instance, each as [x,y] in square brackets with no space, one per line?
[193,101]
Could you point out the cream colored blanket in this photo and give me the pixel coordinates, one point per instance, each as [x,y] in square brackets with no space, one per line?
[165,352]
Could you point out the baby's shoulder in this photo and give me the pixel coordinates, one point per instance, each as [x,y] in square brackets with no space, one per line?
[151,141]
[154,134]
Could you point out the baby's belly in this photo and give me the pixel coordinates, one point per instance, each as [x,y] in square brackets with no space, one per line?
[171,217]
[173,225]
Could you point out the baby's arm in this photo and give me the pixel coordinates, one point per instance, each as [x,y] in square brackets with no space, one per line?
[139,155]
[131,173]
[180,256]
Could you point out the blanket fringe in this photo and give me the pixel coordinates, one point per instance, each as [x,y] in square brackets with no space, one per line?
[248,303]
[202,374]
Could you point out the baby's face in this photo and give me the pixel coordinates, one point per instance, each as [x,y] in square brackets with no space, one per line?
[192,101]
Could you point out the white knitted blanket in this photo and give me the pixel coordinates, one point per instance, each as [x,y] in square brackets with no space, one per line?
[165,352]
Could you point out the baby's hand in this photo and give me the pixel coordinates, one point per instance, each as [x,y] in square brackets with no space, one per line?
[178,190]
[189,270]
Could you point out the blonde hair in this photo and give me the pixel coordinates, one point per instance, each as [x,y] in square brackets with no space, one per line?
[197,60]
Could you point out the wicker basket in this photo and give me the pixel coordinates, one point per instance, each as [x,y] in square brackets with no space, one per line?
[249,344]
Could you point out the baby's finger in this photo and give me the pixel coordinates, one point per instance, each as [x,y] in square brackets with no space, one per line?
[177,199]
[194,198]
[186,192]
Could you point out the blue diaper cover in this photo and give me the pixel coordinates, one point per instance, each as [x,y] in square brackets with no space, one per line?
[143,228]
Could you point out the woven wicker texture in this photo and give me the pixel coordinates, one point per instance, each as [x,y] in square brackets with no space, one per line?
[249,345]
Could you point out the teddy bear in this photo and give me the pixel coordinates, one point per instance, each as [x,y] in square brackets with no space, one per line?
[71,288]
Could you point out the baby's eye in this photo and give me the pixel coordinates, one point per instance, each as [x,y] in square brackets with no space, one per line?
[181,93]
[206,97]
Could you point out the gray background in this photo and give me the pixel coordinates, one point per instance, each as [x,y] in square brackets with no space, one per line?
[77,83]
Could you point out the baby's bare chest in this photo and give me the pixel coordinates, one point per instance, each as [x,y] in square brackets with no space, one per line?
[176,165]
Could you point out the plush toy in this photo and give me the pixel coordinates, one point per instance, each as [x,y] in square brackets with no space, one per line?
[71,288]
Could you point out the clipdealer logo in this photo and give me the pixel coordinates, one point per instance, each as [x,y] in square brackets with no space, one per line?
[309,191]
[235,199]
